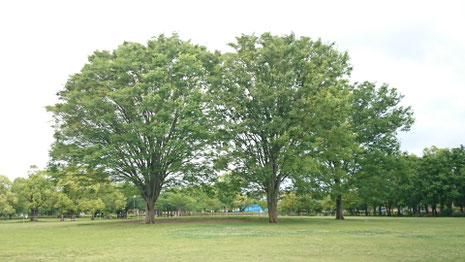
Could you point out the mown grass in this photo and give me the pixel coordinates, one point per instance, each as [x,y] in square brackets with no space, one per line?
[242,239]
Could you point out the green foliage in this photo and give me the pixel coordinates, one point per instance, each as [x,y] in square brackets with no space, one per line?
[176,201]
[328,203]
[242,202]
[92,205]
[139,112]
[377,116]
[63,203]
[276,98]
[457,161]
[131,193]
[76,192]
[278,111]
[359,151]
[227,191]
[438,179]
[447,212]
[34,192]
[7,198]
[294,204]
[433,181]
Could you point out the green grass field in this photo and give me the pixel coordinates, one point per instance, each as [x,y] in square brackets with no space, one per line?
[236,239]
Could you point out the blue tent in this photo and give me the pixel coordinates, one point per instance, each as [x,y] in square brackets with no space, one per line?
[254,208]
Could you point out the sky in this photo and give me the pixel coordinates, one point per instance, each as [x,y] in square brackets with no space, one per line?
[417,47]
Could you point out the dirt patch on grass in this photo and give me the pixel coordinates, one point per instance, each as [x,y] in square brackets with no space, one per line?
[176,220]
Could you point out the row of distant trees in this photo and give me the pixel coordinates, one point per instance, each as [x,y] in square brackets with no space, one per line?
[201,200]
[68,194]
[430,185]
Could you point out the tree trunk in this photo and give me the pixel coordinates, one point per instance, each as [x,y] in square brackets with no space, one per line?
[374,210]
[93,216]
[226,208]
[272,199]
[339,210]
[380,211]
[150,192]
[62,217]
[426,209]
[34,215]
[399,211]
[150,212]
[461,208]
[366,209]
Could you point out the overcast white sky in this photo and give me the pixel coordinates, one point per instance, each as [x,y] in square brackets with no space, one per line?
[415,46]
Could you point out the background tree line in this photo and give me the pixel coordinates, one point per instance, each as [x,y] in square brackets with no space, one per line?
[401,184]
[431,185]
[70,193]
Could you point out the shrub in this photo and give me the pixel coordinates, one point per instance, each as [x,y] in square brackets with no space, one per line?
[446,212]
[458,214]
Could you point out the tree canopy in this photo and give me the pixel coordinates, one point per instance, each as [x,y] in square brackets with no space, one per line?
[140,113]
[277,98]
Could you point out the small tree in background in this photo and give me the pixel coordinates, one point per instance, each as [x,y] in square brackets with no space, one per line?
[227,190]
[63,204]
[7,198]
[36,192]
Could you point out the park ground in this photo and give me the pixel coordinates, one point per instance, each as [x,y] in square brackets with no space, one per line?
[236,239]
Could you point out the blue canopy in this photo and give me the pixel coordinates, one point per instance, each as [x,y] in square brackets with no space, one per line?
[254,208]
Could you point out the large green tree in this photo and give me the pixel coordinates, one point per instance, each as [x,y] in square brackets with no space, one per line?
[138,112]
[373,119]
[276,97]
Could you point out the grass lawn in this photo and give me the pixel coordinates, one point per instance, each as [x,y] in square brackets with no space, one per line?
[236,239]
